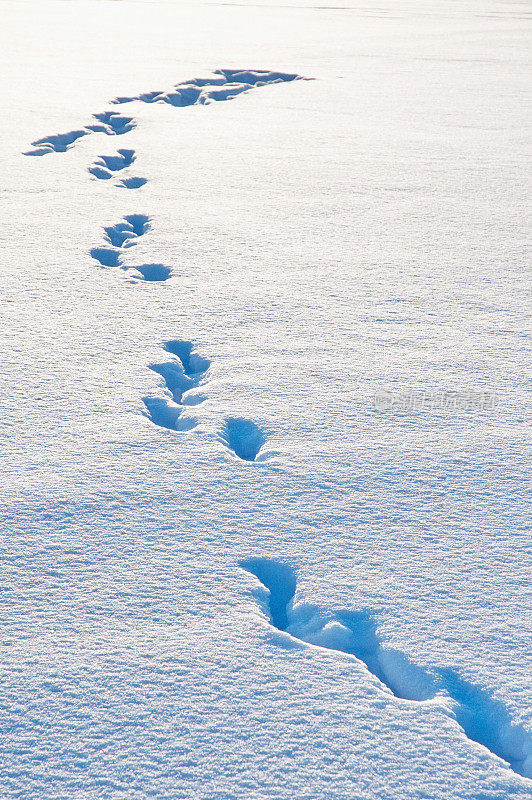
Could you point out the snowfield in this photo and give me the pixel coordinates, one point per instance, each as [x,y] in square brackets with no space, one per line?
[265,425]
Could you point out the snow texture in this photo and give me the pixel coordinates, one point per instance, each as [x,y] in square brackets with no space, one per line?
[264,438]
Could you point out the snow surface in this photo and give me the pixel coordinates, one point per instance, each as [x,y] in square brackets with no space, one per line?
[248,551]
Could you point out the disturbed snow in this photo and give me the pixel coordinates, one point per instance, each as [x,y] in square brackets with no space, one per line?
[264,518]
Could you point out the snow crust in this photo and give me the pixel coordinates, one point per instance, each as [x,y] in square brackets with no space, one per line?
[226,326]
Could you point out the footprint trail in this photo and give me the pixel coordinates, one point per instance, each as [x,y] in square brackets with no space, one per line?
[183,375]
[223,84]
[241,436]
[483,719]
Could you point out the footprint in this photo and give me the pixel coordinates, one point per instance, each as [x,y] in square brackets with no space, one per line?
[194,365]
[151,272]
[122,236]
[482,718]
[223,85]
[281,581]
[112,124]
[486,720]
[132,183]
[167,414]
[101,173]
[57,143]
[243,437]
[109,122]
[125,233]
[105,167]
[106,257]
[122,160]
[181,375]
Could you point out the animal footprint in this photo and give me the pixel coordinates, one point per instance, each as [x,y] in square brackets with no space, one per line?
[109,122]
[123,235]
[482,718]
[57,143]
[105,167]
[112,124]
[167,414]
[122,160]
[151,272]
[131,183]
[183,374]
[106,257]
[243,437]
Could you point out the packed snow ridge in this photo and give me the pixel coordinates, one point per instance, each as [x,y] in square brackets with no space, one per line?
[483,719]
[223,84]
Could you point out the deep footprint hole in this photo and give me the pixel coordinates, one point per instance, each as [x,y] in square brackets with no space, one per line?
[101,173]
[132,183]
[124,159]
[280,580]
[139,222]
[175,379]
[167,415]
[154,272]
[106,257]
[243,437]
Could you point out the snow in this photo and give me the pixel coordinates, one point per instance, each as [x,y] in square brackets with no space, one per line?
[264,429]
